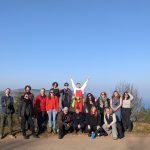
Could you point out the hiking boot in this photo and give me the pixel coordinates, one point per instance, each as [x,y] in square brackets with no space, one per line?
[60,135]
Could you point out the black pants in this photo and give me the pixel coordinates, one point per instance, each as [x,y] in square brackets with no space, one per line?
[63,129]
[42,120]
[75,127]
[29,120]
[94,129]
[120,129]
[126,113]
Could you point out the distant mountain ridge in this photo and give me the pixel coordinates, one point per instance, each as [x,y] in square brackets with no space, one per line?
[15,92]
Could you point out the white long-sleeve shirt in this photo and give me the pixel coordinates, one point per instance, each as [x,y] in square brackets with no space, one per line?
[82,88]
[114,119]
[127,103]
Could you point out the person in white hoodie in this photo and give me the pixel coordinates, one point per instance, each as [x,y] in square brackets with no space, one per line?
[126,111]
[78,95]
[110,123]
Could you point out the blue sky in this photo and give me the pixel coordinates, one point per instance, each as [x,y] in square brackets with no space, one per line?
[42,41]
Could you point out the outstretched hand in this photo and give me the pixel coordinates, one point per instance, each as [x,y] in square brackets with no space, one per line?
[88,78]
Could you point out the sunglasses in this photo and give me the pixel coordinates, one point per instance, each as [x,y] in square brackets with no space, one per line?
[52,92]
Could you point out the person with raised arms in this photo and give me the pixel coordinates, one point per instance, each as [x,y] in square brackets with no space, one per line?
[78,94]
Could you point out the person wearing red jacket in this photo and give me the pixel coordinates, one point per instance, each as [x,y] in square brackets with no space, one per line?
[52,106]
[40,109]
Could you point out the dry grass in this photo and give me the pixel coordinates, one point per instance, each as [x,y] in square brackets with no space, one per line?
[141,128]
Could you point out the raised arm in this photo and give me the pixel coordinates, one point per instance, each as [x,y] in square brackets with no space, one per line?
[73,84]
[85,84]
[131,96]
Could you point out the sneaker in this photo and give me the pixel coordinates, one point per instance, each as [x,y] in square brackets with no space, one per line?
[49,129]
[54,131]
[115,138]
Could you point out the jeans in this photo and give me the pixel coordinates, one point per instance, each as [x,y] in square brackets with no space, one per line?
[52,118]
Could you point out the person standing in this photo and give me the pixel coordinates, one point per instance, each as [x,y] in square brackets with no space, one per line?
[89,102]
[7,110]
[40,109]
[27,90]
[102,102]
[78,94]
[56,89]
[52,107]
[26,115]
[116,104]
[126,111]
[66,96]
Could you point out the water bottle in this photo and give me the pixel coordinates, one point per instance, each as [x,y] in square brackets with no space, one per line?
[92,135]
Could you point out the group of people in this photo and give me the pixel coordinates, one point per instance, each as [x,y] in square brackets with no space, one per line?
[64,111]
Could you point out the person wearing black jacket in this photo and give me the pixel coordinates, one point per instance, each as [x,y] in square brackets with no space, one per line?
[93,122]
[56,89]
[66,96]
[26,115]
[78,120]
[64,122]
[90,101]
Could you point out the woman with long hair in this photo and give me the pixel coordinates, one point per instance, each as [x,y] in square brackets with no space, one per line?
[116,104]
[126,111]
[102,102]
[52,109]
[93,122]
[89,102]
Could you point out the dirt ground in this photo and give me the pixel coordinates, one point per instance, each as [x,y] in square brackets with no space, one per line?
[76,142]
